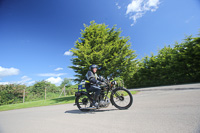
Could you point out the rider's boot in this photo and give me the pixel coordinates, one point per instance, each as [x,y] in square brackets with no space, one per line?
[95,103]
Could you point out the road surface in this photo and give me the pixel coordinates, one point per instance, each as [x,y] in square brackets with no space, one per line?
[168,109]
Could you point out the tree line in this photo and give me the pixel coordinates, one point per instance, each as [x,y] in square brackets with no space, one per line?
[176,64]
[101,45]
[13,93]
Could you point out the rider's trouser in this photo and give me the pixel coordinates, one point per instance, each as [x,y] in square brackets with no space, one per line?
[96,89]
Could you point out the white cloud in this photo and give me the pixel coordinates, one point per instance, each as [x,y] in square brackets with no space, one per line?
[24,80]
[30,83]
[57,69]
[137,8]
[51,74]
[68,53]
[188,20]
[57,81]
[134,6]
[4,83]
[119,7]
[8,71]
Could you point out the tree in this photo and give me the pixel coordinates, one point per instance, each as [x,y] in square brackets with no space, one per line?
[66,82]
[11,93]
[172,65]
[105,47]
[39,88]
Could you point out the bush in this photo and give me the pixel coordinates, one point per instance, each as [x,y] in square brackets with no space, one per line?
[11,93]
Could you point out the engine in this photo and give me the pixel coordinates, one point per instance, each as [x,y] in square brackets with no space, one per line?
[104,103]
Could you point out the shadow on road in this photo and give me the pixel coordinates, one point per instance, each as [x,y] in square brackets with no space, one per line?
[76,111]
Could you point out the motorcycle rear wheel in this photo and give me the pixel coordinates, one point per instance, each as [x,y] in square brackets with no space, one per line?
[121,98]
[83,102]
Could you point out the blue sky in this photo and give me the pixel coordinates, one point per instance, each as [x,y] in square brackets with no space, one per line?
[36,35]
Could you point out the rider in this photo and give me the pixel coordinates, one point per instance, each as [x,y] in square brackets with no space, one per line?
[92,83]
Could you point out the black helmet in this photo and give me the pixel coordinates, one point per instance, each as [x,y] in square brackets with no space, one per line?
[93,66]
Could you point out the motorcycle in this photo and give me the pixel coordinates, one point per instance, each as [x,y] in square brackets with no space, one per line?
[120,97]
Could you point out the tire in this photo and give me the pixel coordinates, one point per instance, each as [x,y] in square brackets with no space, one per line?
[121,98]
[83,101]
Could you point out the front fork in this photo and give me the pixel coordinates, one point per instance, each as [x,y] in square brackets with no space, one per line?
[112,95]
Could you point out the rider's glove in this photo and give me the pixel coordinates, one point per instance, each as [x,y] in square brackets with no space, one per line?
[101,79]
[99,83]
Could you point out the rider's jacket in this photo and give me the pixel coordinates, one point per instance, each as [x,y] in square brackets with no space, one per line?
[91,78]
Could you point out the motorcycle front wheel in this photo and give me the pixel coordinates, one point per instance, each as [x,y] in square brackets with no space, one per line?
[121,98]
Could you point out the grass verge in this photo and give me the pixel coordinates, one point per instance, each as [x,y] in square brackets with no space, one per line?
[55,101]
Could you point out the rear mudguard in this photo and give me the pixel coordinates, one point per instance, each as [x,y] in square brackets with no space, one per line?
[79,93]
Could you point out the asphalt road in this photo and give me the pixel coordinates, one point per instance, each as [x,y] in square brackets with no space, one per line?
[168,109]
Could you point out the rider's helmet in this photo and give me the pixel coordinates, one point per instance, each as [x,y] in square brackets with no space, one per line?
[93,66]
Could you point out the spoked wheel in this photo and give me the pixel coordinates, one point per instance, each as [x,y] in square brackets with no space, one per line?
[83,102]
[121,98]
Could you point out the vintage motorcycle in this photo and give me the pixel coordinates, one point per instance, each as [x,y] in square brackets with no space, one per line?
[120,97]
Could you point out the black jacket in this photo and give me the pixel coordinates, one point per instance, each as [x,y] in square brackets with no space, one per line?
[91,77]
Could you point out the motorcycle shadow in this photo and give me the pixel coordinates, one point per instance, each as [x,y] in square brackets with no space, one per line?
[76,111]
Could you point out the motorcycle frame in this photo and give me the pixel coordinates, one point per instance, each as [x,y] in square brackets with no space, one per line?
[109,88]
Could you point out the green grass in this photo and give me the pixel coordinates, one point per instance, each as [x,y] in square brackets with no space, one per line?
[55,101]
[133,92]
